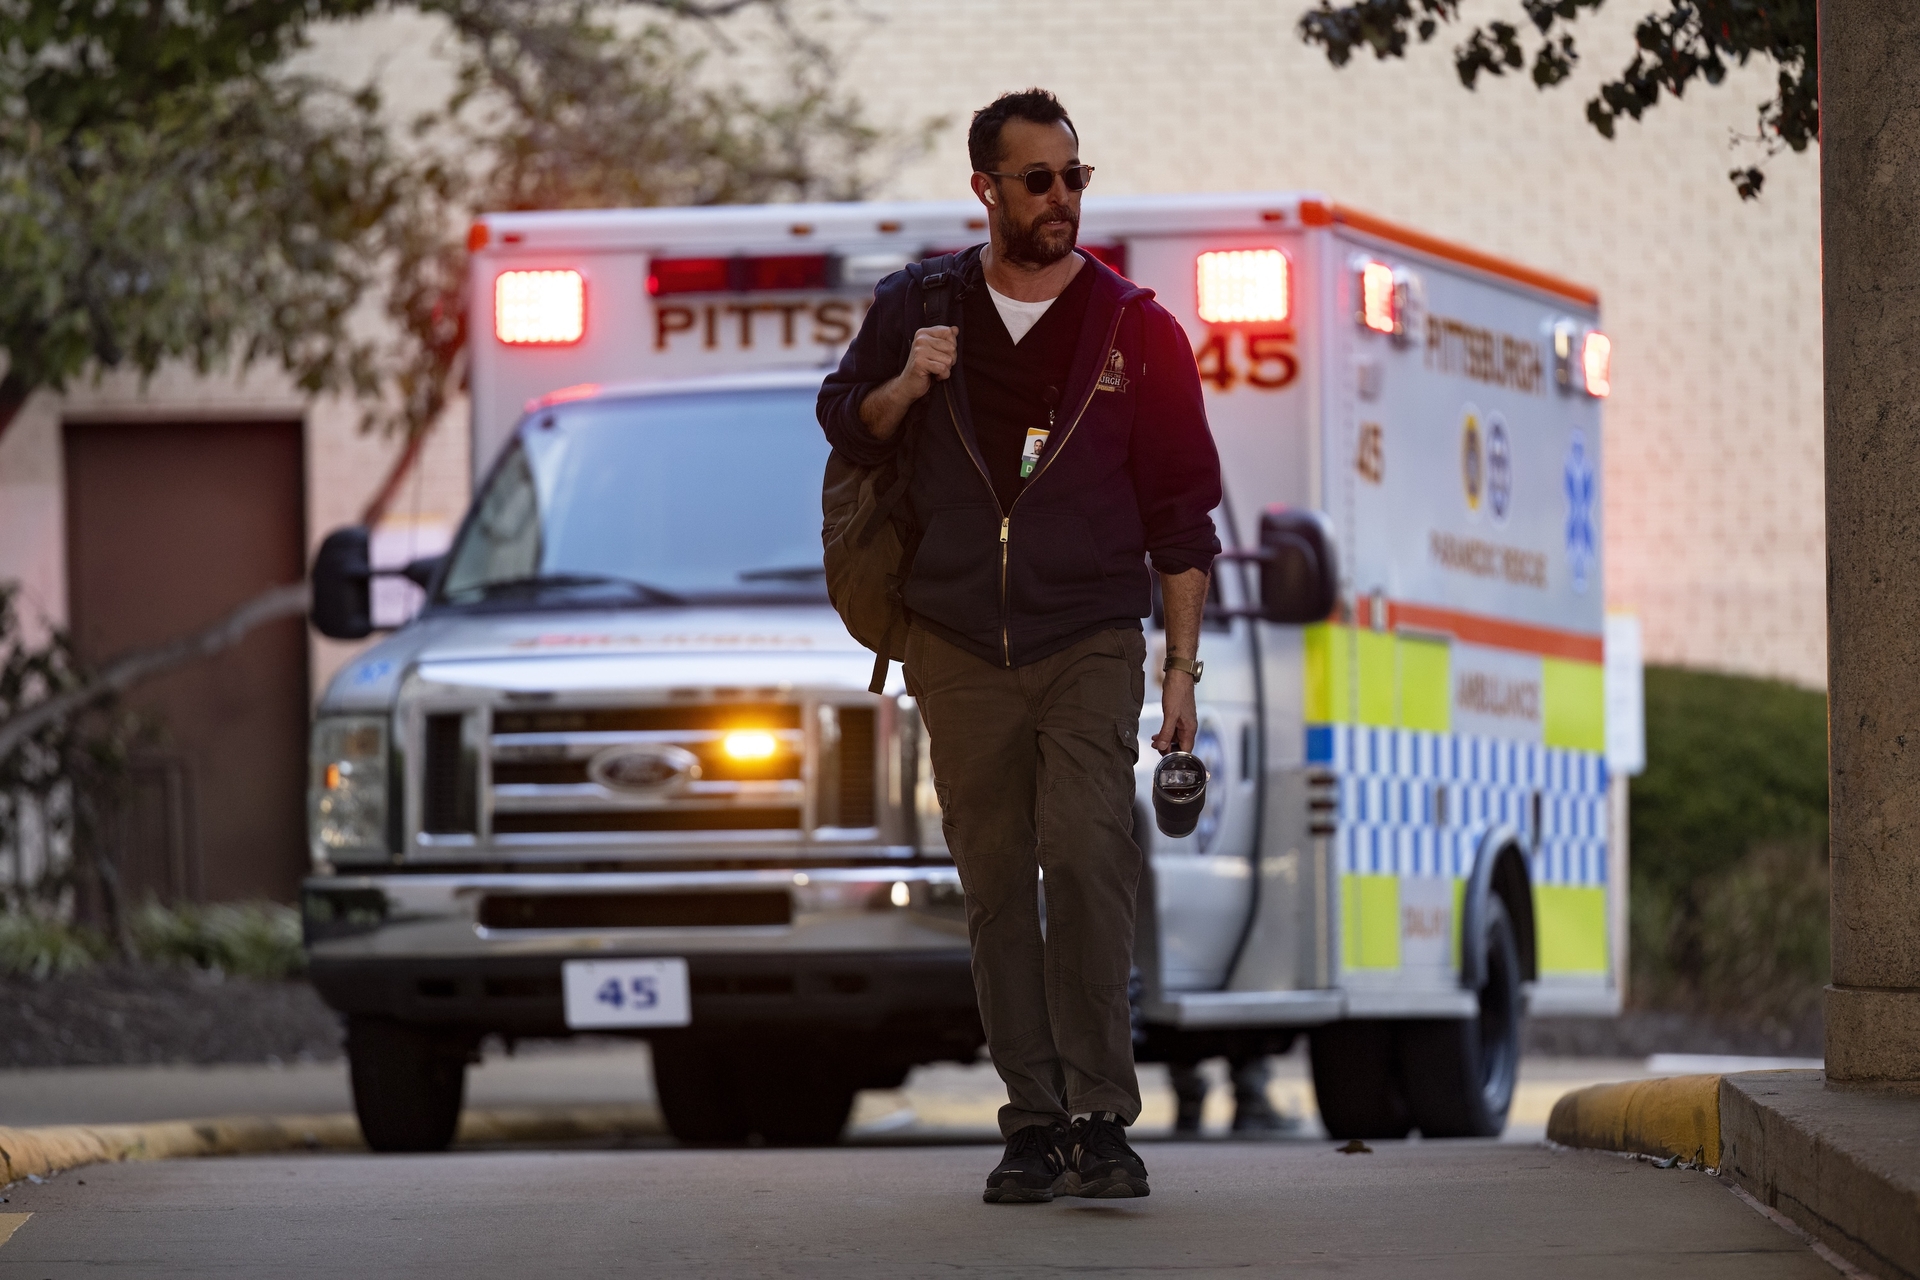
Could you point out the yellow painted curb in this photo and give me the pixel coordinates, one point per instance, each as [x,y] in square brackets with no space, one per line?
[1675,1116]
[49,1149]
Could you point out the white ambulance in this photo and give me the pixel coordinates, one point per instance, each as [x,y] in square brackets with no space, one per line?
[622,773]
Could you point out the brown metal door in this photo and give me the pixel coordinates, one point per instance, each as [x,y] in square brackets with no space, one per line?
[170,526]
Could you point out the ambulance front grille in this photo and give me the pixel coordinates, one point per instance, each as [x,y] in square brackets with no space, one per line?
[652,773]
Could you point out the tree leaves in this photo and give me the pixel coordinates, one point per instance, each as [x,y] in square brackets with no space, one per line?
[1690,40]
[161,198]
[556,108]
[170,191]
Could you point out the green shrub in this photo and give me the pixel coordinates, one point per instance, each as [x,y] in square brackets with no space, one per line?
[40,947]
[1729,847]
[248,939]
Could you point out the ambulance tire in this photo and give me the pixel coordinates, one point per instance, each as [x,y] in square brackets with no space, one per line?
[1460,1072]
[725,1091]
[1354,1080]
[408,1083]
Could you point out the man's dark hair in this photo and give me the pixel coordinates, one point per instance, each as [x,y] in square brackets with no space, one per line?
[1034,105]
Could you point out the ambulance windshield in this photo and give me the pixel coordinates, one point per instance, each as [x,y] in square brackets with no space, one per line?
[702,497]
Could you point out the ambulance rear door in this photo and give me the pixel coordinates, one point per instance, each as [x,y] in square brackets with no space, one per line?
[1241,288]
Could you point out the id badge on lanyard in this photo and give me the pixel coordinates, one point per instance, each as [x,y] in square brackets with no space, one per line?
[1030,452]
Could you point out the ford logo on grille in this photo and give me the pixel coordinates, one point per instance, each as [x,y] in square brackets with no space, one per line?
[644,768]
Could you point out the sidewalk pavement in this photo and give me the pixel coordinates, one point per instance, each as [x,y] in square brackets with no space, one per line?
[1457,1210]
[1842,1161]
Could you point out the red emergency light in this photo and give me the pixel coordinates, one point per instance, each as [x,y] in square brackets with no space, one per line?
[738,274]
[1379,308]
[1596,362]
[1111,256]
[1243,286]
[539,308]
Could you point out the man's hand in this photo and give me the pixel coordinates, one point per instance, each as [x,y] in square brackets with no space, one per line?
[930,361]
[1185,598]
[1178,719]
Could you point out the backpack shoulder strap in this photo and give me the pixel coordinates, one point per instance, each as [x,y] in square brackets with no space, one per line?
[937,278]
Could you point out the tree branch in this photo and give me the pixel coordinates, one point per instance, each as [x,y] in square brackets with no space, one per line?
[142,664]
[13,397]
[376,508]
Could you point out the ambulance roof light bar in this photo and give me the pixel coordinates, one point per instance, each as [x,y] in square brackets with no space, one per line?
[740,274]
[539,308]
[1240,286]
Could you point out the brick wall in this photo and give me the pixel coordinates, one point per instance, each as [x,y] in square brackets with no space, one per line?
[1715,532]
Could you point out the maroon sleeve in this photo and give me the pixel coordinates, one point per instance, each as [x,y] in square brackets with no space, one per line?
[1176,469]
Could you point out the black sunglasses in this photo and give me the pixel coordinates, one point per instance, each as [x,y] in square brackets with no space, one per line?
[1040,181]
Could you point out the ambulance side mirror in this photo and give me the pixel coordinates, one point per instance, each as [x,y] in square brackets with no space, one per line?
[1299,580]
[343,585]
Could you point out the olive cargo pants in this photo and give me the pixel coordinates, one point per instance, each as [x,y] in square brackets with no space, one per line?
[1034,769]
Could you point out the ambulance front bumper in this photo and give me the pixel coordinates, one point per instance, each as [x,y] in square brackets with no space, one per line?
[859,948]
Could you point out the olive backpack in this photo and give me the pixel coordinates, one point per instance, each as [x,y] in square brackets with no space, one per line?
[868,525]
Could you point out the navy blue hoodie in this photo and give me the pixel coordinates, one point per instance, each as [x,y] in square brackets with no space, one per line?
[1130,473]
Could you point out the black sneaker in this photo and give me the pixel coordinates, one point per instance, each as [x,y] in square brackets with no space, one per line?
[1030,1171]
[1100,1164]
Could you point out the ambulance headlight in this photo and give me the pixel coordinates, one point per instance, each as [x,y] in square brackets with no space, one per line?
[347,789]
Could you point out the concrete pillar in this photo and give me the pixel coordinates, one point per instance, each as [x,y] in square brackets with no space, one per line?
[1870,240]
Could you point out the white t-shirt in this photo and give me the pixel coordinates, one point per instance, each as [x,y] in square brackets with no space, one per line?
[1016,315]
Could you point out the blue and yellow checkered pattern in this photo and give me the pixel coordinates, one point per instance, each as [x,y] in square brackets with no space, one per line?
[1412,803]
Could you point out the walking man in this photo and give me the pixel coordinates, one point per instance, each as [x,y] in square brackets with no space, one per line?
[1058,440]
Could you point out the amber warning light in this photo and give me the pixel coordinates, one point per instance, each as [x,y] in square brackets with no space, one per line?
[539,308]
[1596,362]
[1238,286]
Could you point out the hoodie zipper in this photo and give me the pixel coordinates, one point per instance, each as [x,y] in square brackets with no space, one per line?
[1006,515]
[1006,654]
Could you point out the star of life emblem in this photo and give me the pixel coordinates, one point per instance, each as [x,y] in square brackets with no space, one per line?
[1578,481]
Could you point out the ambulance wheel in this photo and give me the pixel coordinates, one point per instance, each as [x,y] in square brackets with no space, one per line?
[1354,1081]
[725,1091]
[1460,1072]
[408,1083]
[698,1095]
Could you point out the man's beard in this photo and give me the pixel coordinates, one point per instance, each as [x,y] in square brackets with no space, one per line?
[1033,246]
